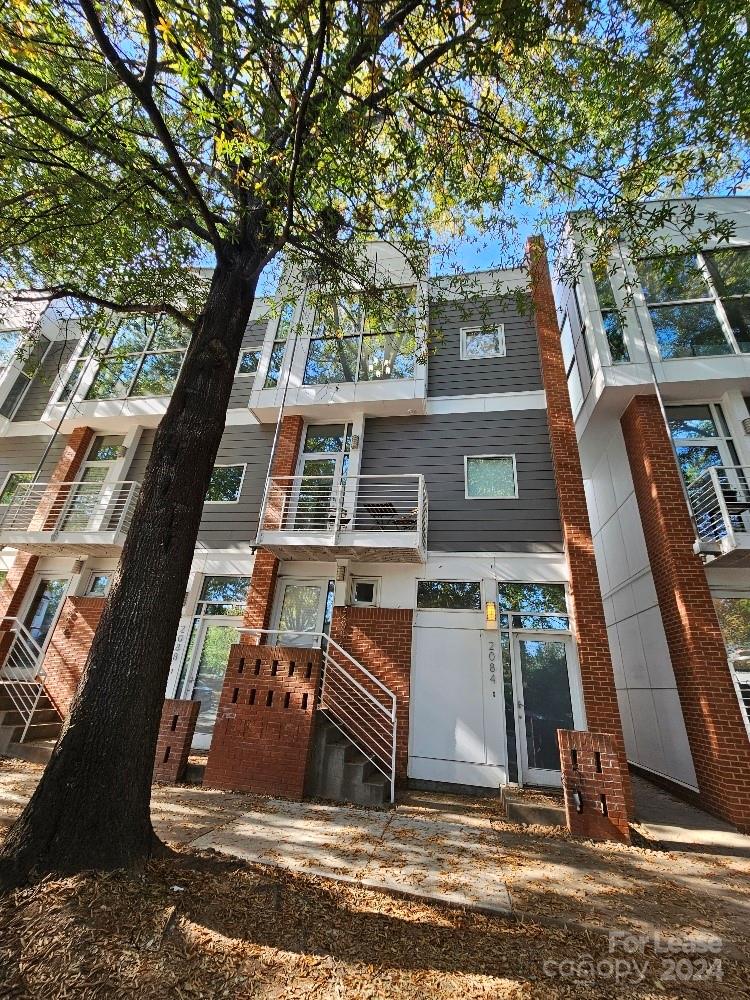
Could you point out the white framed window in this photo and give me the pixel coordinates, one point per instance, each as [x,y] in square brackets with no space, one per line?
[449,595]
[12,481]
[490,477]
[365,592]
[478,342]
[248,362]
[225,485]
[98,585]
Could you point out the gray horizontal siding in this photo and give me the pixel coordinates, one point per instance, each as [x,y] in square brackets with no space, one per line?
[228,525]
[23,454]
[435,446]
[38,394]
[243,384]
[448,375]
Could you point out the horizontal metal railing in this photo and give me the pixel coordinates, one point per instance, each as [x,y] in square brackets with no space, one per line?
[21,674]
[329,505]
[720,501]
[61,508]
[355,701]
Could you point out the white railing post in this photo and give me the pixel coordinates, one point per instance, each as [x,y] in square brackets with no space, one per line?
[722,503]
[21,676]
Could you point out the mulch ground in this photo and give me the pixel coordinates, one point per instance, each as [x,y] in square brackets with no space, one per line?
[197,925]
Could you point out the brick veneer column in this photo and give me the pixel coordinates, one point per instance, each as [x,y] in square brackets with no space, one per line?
[21,573]
[380,639]
[265,569]
[597,676]
[263,734]
[713,720]
[74,452]
[176,730]
[591,771]
[68,648]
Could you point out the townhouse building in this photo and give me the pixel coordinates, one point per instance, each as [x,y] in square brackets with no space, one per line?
[395,540]
[658,373]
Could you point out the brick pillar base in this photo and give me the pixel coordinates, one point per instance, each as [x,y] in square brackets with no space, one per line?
[592,641]
[263,734]
[69,647]
[592,772]
[380,639]
[713,719]
[176,730]
[16,584]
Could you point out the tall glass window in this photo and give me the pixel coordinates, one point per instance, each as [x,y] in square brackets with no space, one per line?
[611,319]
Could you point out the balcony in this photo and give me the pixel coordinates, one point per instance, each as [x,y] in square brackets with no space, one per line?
[720,500]
[69,518]
[374,518]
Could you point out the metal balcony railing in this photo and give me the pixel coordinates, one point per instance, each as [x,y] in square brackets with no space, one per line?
[720,500]
[57,510]
[21,674]
[328,506]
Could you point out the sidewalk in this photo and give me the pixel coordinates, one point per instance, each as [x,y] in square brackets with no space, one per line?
[454,851]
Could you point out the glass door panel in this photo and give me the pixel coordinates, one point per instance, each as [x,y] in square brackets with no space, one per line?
[43,610]
[84,500]
[315,510]
[301,609]
[215,644]
[546,705]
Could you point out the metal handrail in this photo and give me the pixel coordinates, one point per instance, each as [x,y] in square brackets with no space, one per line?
[60,508]
[720,502]
[21,674]
[365,719]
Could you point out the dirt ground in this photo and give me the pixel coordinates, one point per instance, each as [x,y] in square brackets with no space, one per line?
[200,925]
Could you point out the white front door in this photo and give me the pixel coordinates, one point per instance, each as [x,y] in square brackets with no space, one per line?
[299,608]
[214,640]
[545,701]
[457,730]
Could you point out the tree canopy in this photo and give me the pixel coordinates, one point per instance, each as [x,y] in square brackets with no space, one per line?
[140,139]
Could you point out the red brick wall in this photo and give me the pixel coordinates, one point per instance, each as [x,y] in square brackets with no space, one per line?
[597,676]
[175,738]
[263,734]
[68,648]
[591,767]
[19,576]
[380,639]
[713,720]
[76,448]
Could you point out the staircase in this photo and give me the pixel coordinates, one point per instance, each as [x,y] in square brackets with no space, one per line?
[27,716]
[342,773]
[45,725]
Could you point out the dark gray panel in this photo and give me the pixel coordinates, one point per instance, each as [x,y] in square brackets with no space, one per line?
[38,393]
[233,524]
[448,375]
[435,446]
[23,454]
[243,384]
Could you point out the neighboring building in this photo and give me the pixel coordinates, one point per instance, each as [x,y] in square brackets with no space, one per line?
[423,508]
[657,357]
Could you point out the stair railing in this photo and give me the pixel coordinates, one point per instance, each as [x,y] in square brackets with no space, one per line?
[354,700]
[21,675]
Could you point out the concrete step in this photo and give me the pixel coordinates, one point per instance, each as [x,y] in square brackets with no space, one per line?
[195,769]
[38,752]
[8,705]
[12,717]
[36,731]
[364,784]
[533,806]
[340,772]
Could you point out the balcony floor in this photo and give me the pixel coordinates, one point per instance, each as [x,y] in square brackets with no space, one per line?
[365,546]
[72,543]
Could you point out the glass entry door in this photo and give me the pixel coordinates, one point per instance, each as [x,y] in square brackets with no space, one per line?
[300,608]
[323,466]
[543,692]
[45,607]
[87,503]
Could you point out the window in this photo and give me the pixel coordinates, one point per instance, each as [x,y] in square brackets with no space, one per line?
[3,576]
[29,359]
[490,477]
[482,342]
[683,311]
[449,595]
[226,484]
[730,275]
[365,593]
[352,342]
[9,341]
[611,318]
[279,346]
[142,358]
[223,595]
[98,585]
[572,372]
[12,481]
[701,438]
[540,605]
[249,361]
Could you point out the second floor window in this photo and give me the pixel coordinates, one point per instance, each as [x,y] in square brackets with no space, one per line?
[352,342]
[142,358]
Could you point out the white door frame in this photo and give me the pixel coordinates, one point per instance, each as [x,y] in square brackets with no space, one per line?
[188,686]
[25,607]
[282,583]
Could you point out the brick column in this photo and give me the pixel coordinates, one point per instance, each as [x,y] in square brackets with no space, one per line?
[69,647]
[380,639]
[265,569]
[16,584]
[713,720]
[595,805]
[597,676]
[176,730]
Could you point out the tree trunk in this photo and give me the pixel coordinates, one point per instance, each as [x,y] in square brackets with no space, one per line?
[91,809]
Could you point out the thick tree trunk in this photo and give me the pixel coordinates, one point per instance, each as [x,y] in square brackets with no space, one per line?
[91,809]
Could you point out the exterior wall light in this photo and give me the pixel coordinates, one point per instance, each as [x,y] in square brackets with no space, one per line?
[490,614]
